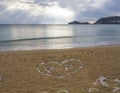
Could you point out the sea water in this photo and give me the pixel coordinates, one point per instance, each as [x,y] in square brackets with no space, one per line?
[36,37]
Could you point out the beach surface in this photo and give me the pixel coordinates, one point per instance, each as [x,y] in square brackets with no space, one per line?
[29,72]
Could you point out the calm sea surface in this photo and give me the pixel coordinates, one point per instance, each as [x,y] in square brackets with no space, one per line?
[32,37]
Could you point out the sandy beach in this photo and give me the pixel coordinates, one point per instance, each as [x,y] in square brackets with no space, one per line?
[25,72]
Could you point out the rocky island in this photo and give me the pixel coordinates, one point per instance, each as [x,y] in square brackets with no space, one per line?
[77,22]
[109,20]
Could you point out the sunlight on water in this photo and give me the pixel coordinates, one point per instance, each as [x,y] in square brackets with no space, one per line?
[58,31]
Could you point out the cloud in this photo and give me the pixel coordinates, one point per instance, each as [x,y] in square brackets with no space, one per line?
[33,12]
[55,11]
[95,9]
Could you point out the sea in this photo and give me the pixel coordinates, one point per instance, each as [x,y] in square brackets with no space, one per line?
[39,37]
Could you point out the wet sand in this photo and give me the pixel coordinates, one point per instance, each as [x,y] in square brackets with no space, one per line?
[19,74]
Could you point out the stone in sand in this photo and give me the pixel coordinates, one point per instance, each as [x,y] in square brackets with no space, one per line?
[67,67]
[92,90]
[1,78]
[101,80]
[63,91]
[117,81]
[116,90]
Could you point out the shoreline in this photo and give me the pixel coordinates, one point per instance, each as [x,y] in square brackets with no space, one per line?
[28,72]
[83,47]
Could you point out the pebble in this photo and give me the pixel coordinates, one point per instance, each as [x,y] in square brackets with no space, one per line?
[117,81]
[92,90]
[1,78]
[116,90]
[63,91]
[102,81]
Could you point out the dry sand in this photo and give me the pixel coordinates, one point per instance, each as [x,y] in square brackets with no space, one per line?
[19,74]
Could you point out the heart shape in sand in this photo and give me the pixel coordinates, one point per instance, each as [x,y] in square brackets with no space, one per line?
[59,69]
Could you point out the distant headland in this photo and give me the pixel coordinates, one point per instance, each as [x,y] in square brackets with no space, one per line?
[109,20]
[105,20]
[76,22]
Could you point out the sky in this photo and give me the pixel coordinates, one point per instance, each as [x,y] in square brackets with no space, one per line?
[56,11]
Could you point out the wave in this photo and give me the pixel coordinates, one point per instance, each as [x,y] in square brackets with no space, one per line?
[43,38]
[25,39]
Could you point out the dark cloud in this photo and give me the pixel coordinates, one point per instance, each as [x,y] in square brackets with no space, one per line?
[110,8]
